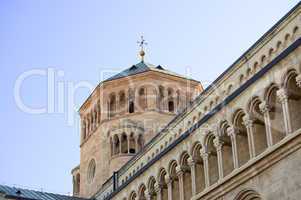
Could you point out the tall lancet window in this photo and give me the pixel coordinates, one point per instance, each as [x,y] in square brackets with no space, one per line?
[142,99]
[131,102]
[112,105]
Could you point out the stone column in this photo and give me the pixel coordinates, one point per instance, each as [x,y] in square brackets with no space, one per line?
[119,137]
[283,98]
[88,124]
[126,103]
[165,100]
[128,142]
[148,196]
[169,186]
[158,189]
[91,123]
[103,106]
[113,147]
[248,123]
[87,127]
[179,102]
[94,120]
[142,198]
[131,98]
[151,99]
[136,144]
[117,106]
[180,174]
[191,164]
[218,146]
[98,114]
[264,108]
[204,156]
[231,132]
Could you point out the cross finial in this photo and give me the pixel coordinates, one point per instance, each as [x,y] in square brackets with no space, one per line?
[142,43]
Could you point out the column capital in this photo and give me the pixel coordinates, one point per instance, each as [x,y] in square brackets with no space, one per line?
[204,154]
[248,121]
[231,131]
[179,171]
[264,107]
[218,143]
[282,95]
[191,161]
[298,80]
[168,179]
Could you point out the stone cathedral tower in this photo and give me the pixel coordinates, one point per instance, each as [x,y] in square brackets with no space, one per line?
[122,114]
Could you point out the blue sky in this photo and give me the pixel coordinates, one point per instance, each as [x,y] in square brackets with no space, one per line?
[84,38]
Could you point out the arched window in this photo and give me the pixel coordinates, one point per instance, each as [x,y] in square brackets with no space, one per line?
[276,115]
[178,104]
[163,184]
[294,101]
[259,127]
[171,104]
[98,112]
[124,143]
[92,121]
[199,167]
[95,119]
[91,171]
[112,105]
[142,192]
[171,107]
[174,180]
[227,154]
[142,99]
[161,97]
[131,107]
[186,176]
[212,160]
[132,144]
[241,138]
[116,147]
[151,188]
[131,101]
[122,101]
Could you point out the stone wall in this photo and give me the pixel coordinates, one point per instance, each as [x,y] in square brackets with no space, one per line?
[239,140]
